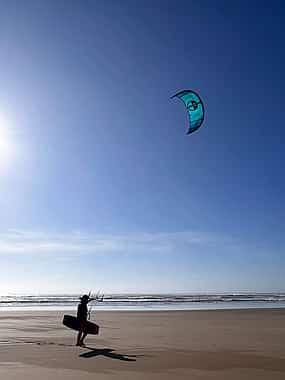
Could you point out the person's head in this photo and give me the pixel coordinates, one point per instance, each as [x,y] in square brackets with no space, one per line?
[84,299]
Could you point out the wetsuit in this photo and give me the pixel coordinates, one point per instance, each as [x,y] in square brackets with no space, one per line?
[82,312]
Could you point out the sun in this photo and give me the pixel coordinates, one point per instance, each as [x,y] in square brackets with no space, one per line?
[7,146]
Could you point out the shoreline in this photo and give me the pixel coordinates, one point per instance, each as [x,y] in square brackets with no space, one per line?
[195,307]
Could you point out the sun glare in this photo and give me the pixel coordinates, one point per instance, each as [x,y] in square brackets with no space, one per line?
[7,148]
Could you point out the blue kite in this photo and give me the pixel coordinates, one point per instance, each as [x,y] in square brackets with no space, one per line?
[195,108]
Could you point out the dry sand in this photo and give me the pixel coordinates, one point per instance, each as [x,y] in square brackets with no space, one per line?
[237,344]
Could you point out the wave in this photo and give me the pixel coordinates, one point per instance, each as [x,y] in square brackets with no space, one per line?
[145,301]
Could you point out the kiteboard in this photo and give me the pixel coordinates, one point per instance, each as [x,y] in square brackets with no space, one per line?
[74,324]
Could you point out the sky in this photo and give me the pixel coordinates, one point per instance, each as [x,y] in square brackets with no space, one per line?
[100,187]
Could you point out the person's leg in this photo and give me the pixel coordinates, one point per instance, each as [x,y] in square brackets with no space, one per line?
[79,338]
[82,339]
[84,332]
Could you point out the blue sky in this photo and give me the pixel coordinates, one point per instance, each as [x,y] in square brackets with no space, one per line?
[99,185]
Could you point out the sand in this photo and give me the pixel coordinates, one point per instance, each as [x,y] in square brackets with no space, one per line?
[237,344]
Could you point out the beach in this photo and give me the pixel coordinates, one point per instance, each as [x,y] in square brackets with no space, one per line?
[221,344]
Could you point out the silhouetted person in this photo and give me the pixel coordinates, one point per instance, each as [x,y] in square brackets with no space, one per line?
[82,312]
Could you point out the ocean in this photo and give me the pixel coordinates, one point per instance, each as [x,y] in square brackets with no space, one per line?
[146,301]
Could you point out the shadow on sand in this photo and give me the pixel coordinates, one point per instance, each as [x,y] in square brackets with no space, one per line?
[109,353]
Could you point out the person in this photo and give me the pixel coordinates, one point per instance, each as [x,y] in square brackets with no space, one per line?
[82,313]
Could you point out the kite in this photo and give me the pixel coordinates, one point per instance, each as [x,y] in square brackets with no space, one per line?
[195,108]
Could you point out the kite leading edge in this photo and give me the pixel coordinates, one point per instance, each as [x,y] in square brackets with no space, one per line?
[195,108]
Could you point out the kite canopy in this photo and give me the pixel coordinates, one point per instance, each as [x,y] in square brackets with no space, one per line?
[195,108]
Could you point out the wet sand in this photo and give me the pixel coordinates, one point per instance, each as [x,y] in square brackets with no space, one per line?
[237,344]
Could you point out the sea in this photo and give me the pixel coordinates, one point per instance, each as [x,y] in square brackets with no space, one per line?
[145,302]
